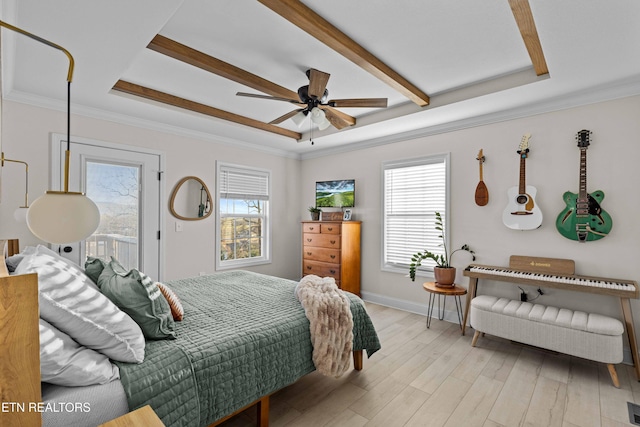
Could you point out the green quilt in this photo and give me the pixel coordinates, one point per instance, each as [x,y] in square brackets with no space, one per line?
[244,335]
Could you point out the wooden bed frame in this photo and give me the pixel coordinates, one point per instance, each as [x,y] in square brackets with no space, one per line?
[20,351]
[262,404]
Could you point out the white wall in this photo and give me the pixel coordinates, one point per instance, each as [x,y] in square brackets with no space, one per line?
[25,136]
[552,167]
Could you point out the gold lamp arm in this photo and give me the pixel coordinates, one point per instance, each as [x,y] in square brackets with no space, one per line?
[47,42]
[26,172]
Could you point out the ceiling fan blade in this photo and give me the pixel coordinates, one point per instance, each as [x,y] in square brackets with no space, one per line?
[275,98]
[337,118]
[285,116]
[359,102]
[317,82]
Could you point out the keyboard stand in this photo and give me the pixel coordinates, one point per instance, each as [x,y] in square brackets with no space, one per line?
[550,266]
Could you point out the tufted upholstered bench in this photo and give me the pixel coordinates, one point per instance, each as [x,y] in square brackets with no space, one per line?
[586,335]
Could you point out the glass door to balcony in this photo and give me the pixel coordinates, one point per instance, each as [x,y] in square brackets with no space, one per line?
[116,189]
[124,183]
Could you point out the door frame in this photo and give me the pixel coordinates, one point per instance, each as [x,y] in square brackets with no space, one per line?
[55,173]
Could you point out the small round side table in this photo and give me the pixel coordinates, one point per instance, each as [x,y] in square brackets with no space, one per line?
[455,291]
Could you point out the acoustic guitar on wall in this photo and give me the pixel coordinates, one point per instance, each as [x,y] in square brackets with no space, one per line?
[522,211]
[583,219]
[482,194]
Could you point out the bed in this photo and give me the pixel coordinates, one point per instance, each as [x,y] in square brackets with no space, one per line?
[244,336]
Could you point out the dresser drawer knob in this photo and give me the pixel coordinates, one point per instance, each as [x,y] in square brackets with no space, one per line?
[332,256]
[330,228]
[332,271]
[308,267]
[309,253]
[310,228]
[333,242]
[309,240]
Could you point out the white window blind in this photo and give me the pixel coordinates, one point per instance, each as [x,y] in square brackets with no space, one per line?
[243,184]
[414,191]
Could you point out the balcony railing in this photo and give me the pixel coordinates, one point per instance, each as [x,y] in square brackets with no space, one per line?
[122,248]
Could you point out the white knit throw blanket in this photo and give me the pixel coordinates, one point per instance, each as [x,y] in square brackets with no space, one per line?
[331,323]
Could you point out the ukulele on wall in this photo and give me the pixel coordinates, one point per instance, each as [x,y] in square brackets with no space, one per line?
[583,219]
[522,211]
[482,194]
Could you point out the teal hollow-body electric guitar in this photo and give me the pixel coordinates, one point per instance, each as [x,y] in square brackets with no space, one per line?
[522,211]
[583,219]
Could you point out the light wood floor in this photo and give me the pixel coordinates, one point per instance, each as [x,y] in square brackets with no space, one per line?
[433,377]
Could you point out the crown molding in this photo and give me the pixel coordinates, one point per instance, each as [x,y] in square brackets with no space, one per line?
[615,90]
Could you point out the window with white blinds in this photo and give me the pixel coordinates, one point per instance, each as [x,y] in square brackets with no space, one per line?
[414,190]
[238,183]
[242,230]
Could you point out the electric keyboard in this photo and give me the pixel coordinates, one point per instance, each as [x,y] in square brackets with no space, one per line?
[598,285]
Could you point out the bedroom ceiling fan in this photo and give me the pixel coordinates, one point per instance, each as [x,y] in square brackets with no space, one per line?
[313,102]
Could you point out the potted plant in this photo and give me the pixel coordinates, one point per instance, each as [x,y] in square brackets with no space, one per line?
[444,274]
[315,213]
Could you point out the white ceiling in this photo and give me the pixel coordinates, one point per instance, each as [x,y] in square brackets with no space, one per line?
[468,55]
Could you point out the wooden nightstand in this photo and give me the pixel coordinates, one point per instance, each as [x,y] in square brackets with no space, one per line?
[142,417]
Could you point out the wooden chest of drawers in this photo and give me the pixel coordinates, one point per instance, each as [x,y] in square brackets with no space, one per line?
[332,249]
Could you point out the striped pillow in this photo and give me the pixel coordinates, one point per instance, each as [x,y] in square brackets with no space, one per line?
[174,302]
[72,303]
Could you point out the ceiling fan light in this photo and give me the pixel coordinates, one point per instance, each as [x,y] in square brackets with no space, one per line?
[325,124]
[317,116]
[299,118]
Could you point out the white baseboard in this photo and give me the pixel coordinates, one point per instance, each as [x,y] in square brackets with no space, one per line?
[449,315]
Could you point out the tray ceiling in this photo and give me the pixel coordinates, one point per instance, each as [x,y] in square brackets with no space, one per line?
[468,57]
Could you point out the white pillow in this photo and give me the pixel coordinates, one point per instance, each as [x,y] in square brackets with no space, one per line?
[64,362]
[71,302]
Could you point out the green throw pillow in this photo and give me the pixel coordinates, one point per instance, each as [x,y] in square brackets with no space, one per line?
[93,267]
[138,296]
